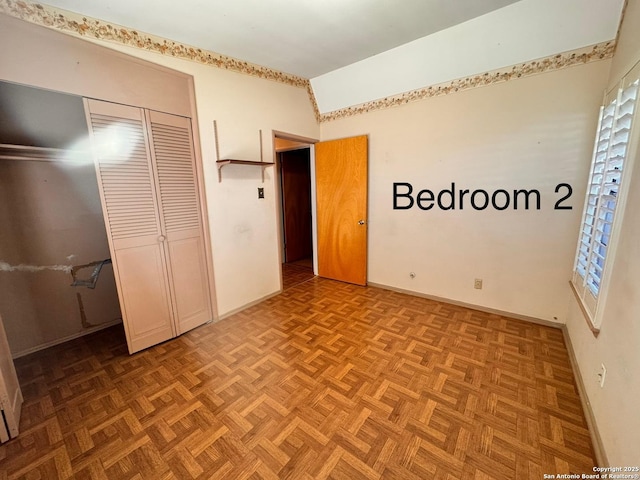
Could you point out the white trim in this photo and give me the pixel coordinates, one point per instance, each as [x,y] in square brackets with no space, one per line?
[480,308]
[314,208]
[594,310]
[594,433]
[310,144]
[621,206]
[247,305]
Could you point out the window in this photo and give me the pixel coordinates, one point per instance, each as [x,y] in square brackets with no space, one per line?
[604,196]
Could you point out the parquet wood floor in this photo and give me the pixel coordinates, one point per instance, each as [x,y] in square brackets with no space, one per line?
[325,381]
[294,273]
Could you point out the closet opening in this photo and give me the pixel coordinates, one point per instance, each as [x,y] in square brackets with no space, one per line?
[56,276]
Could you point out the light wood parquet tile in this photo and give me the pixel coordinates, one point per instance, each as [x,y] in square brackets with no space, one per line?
[295,273]
[325,381]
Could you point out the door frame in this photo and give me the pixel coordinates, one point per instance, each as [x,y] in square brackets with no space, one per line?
[308,142]
[295,160]
[204,210]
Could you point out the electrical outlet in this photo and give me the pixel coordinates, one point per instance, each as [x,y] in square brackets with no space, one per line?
[477,284]
[602,374]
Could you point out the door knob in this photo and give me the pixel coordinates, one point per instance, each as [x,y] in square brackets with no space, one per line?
[361,222]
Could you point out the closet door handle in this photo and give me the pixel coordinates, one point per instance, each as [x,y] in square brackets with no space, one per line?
[361,222]
[162,238]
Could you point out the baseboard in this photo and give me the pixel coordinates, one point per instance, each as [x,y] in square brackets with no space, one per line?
[517,316]
[594,433]
[58,341]
[248,305]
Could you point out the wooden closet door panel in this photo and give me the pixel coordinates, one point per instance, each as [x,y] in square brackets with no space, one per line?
[10,393]
[180,214]
[144,298]
[127,189]
[4,433]
[189,282]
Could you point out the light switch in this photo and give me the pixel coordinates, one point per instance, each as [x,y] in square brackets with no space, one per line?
[260,192]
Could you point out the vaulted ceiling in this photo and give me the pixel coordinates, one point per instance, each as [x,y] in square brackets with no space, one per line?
[357,51]
[303,37]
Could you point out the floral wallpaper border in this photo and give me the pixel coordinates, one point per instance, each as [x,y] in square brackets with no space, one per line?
[581,56]
[47,16]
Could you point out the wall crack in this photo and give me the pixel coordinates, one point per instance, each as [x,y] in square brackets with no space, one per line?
[6,267]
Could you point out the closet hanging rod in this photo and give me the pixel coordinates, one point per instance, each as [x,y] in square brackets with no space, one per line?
[45,154]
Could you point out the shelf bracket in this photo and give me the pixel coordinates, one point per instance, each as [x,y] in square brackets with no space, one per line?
[228,161]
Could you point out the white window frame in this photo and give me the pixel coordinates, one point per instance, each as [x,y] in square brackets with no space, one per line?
[592,295]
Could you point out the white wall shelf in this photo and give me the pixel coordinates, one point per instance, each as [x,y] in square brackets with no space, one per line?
[231,161]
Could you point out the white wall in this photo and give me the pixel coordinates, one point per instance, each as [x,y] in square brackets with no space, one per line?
[615,406]
[529,133]
[521,32]
[244,230]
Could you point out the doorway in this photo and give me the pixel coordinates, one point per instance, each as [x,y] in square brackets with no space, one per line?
[338,190]
[294,167]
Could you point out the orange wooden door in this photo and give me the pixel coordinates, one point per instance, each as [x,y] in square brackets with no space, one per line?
[341,197]
[296,204]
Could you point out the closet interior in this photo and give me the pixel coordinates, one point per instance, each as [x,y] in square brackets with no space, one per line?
[102,221]
[53,233]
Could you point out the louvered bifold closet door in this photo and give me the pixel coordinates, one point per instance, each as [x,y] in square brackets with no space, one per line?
[127,189]
[174,159]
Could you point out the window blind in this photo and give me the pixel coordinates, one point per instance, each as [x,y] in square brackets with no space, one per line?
[612,141]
